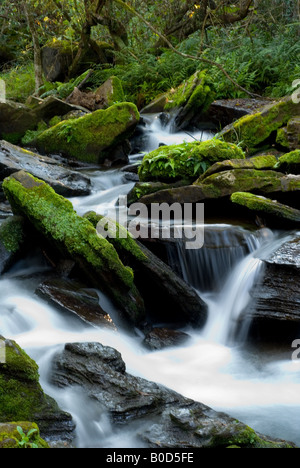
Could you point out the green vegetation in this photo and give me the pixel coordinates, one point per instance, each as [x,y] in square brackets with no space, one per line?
[186,161]
[289,163]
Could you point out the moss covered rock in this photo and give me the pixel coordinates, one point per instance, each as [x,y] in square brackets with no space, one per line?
[191,98]
[289,163]
[257,162]
[186,161]
[21,435]
[111,92]
[74,237]
[22,398]
[266,207]
[91,138]
[289,136]
[12,239]
[253,131]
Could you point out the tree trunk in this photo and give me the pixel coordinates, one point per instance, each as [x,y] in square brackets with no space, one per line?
[38,69]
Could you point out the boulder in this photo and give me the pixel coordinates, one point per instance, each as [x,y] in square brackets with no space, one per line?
[22,398]
[162,418]
[274,310]
[16,119]
[91,138]
[289,137]
[185,161]
[192,98]
[160,338]
[63,180]
[276,213]
[254,131]
[289,163]
[73,297]
[12,240]
[75,238]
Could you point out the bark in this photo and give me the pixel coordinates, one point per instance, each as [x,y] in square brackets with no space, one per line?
[38,68]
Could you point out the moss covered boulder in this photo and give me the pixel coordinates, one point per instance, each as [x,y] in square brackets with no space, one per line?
[289,163]
[268,208]
[193,97]
[22,398]
[21,435]
[12,240]
[255,130]
[186,161]
[289,136]
[93,137]
[74,237]
[257,162]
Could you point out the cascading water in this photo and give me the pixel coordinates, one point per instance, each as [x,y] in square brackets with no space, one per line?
[210,367]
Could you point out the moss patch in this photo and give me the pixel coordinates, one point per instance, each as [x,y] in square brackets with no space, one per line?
[12,234]
[15,435]
[266,206]
[186,161]
[289,163]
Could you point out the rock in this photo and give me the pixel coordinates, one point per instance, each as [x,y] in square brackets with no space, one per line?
[14,435]
[167,297]
[192,98]
[111,92]
[223,184]
[267,161]
[185,161]
[58,56]
[274,310]
[75,238]
[162,418]
[73,297]
[289,136]
[22,398]
[277,214]
[254,130]
[16,119]
[289,163]
[93,137]
[156,106]
[63,180]
[160,338]
[145,188]
[12,240]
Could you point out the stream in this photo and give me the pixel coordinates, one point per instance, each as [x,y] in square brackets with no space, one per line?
[259,387]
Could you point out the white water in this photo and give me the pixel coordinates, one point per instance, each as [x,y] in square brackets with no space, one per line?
[261,389]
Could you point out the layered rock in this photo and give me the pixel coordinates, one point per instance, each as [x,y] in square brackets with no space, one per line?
[274,311]
[63,180]
[162,418]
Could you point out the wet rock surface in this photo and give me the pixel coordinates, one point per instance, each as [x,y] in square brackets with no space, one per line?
[163,418]
[63,180]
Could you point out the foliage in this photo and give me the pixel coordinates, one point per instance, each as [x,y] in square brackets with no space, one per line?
[20,82]
[26,439]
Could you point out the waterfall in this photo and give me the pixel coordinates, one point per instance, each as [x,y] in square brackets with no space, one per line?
[210,367]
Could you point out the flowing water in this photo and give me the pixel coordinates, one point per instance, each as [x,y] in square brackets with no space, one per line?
[213,367]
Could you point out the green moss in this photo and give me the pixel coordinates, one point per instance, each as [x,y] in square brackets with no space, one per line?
[117,94]
[12,435]
[118,235]
[195,94]
[266,206]
[282,138]
[186,161]
[289,163]
[12,234]
[90,137]
[253,130]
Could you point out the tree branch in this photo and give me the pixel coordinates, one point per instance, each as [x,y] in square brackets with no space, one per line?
[188,56]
